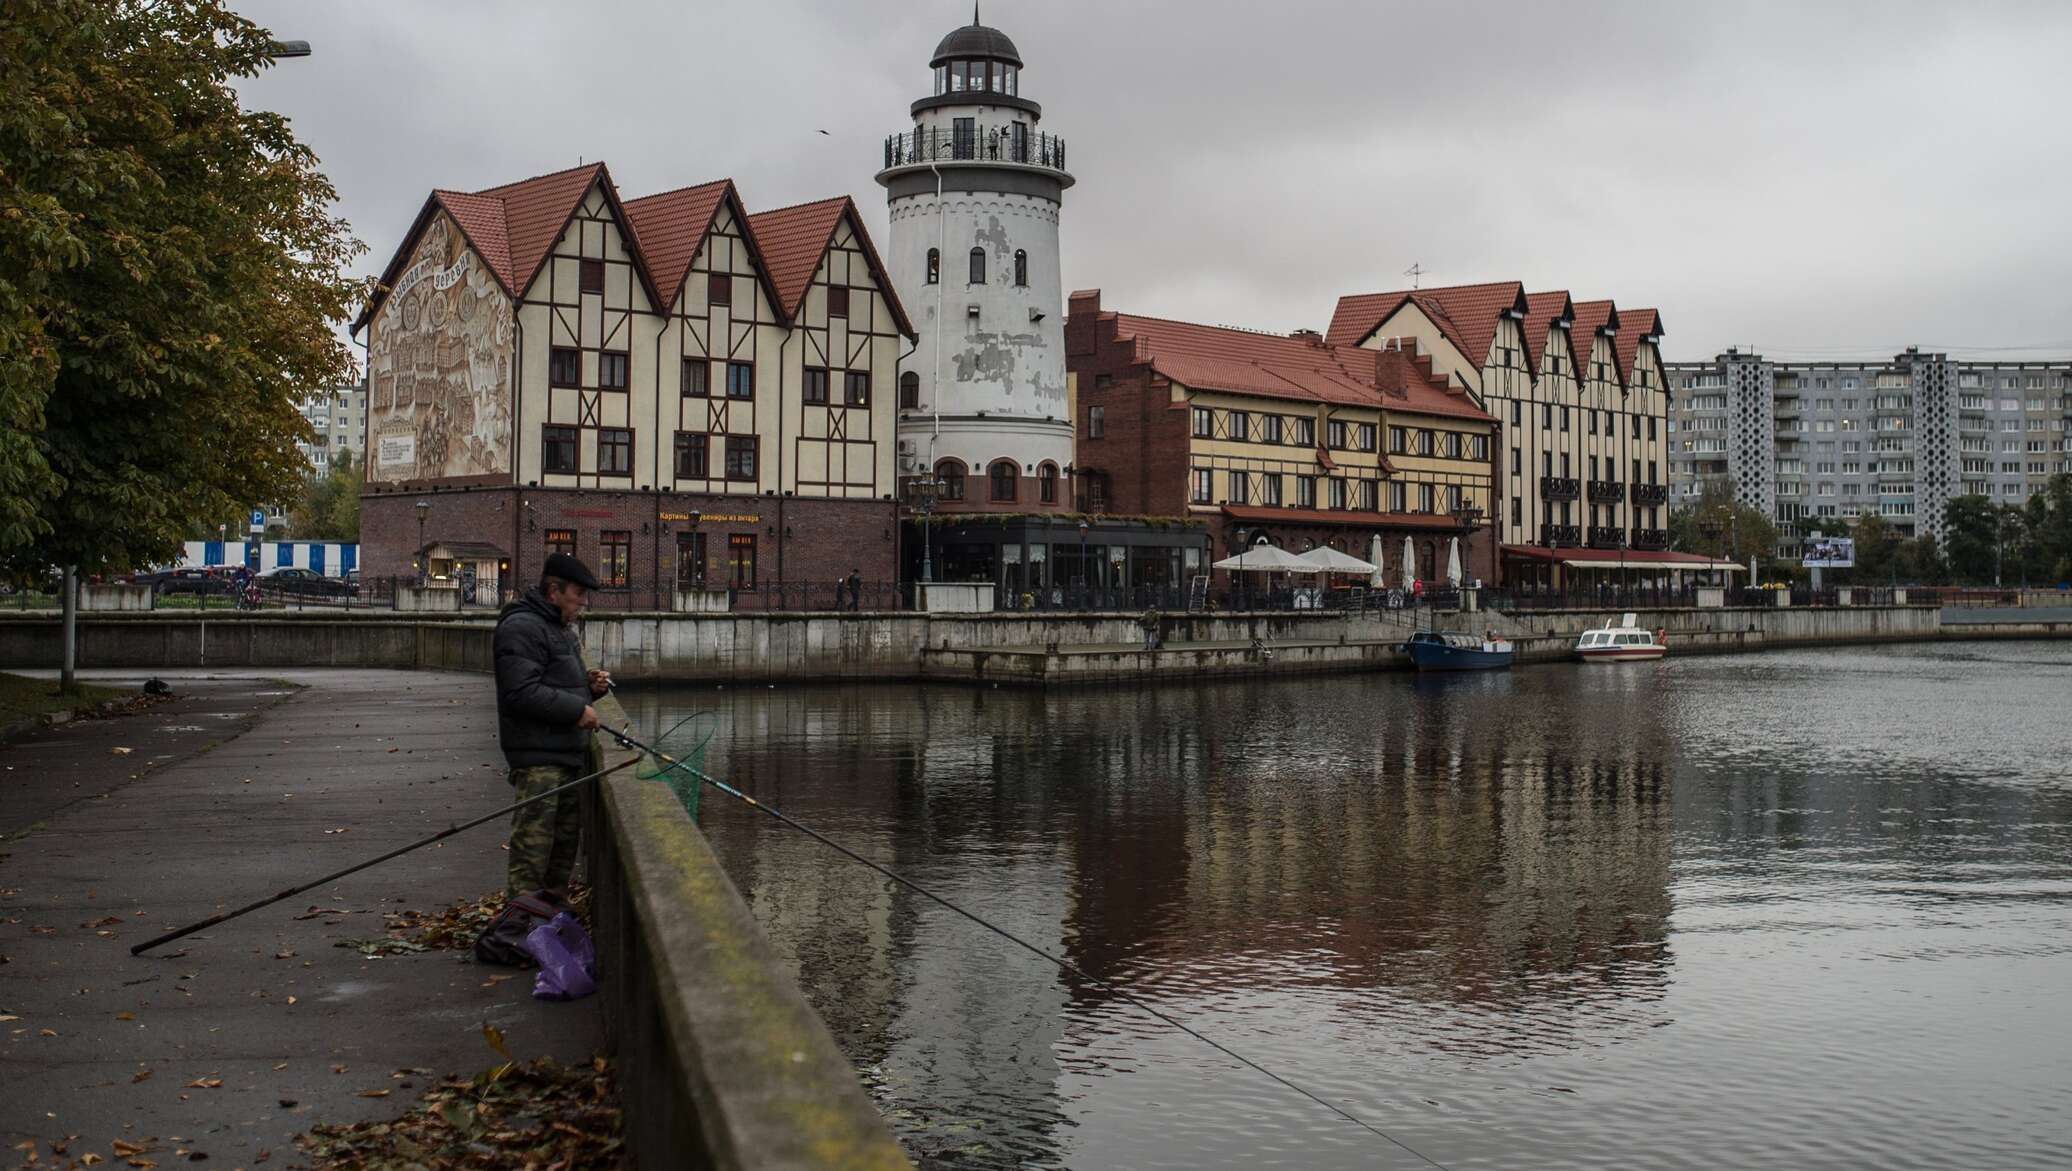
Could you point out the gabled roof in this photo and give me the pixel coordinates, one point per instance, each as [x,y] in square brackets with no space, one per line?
[1209,357]
[535,212]
[1592,316]
[673,226]
[1541,311]
[794,241]
[1466,314]
[512,227]
[1635,326]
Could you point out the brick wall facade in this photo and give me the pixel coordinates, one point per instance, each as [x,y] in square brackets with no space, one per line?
[1138,465]
[797,540]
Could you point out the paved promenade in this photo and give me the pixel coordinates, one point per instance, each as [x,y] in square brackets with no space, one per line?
[230,1042]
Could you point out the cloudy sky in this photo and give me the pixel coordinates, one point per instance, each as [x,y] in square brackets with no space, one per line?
[1811,180]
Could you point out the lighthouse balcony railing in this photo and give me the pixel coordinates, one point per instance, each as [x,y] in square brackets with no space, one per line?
[985,144]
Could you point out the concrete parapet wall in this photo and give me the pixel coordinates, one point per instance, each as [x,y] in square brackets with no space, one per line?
[884,646]
[115,597]
[1104,666]
[723,1064]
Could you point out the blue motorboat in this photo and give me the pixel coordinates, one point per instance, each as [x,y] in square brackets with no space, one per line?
[1443,650]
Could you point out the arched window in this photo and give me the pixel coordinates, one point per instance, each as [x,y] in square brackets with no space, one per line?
[978,266]
[1047,482]
[949,480]
[934,266]
[1005,474]
[1021,268]
[909,391]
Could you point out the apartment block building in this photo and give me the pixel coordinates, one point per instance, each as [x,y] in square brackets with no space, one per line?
[336,417]
[1835,440]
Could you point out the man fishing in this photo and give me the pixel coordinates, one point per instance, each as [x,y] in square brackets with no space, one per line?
[543,720]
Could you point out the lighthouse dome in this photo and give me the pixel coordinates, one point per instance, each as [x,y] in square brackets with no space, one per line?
[976,42]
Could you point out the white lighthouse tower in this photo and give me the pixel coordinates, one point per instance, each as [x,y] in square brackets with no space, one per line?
[974,191]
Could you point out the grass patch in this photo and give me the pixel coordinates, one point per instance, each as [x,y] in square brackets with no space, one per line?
[22,698]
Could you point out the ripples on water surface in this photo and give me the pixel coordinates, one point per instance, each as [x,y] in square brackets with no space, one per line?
[1802,910]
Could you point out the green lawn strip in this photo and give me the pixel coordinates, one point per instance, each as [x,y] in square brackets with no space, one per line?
[22,698]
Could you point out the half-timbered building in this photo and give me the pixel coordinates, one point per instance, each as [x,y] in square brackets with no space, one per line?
[686,396]
[1283,439]
[1580,435]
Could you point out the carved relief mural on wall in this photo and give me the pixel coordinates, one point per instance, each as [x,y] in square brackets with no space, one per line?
[439,367]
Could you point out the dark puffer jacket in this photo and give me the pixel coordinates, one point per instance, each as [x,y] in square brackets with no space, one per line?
[541,686]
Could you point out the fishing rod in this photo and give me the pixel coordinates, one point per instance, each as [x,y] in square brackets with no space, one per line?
[627,741]
[443,834]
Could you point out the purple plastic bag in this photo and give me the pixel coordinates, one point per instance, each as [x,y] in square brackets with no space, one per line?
[568,964]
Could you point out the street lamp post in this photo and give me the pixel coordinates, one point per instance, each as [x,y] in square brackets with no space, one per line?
[1085,576]
[424,511]
[922,491]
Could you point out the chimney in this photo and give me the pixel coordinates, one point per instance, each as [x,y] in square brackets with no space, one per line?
[1392,373]
[1308,335]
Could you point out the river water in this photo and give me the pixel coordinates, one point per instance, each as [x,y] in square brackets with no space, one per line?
[1801,909]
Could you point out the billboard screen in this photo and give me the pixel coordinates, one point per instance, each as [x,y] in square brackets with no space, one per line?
[1829,553]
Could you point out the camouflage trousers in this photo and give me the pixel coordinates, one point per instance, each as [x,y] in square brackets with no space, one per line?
[544,835]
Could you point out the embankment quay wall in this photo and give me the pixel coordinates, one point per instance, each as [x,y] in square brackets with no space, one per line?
[894,646]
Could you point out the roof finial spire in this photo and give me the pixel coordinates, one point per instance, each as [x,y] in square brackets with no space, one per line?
[974,13]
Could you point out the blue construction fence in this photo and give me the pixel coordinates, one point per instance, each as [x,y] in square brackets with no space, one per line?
[330,558]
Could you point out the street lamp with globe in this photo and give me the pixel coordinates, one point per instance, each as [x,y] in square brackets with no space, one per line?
[922,492]
[424,511]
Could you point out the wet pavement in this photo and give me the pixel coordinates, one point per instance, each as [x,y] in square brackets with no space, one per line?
[231,1041]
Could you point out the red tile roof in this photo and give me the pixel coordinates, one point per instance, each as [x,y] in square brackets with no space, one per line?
[672,227]
[535,212]
[1210,357]
[1634,326]
[1592,316]
[1325,516]
[1466,314]
[1541,309]
[514,227]
[794,241]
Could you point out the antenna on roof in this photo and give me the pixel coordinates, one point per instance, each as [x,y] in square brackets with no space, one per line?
[1414,272]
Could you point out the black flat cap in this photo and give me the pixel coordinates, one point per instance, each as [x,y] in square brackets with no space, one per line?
[567,568]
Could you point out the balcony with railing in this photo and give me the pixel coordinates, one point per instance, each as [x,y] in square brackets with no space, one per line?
[1606,491]
[1555,536]
[1007,143]
[1650,494]
[1607,537]
[1560,488]
[1651,539]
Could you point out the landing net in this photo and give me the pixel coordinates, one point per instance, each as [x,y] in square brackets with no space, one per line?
[684,742]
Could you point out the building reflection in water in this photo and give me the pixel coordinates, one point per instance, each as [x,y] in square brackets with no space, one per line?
[1384,854]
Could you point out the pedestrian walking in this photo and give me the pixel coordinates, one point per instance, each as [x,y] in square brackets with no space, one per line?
[855,590]
[1150,623]
[543,720]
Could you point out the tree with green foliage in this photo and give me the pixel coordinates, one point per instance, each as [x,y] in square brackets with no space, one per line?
[1877,549]
[1717,526]
[170,276]
[329,509]
[1971,530]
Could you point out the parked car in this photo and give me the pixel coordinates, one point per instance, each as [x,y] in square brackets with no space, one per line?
[352,581]
[193,580]
[295,581]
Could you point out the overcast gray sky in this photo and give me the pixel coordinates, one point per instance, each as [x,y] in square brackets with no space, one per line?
[1811,180]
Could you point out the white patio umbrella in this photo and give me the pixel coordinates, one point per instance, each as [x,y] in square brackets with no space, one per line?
[1409,560]
[1379,577]
[1453,574]
[1329,560]
[1265,559]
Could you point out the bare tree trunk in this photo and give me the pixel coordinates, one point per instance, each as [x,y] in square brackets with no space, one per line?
[68,683]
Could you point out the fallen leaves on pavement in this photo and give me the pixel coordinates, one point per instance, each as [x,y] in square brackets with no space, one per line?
[539,1114]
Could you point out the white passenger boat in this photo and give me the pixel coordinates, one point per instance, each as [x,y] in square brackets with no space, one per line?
[1620,643]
